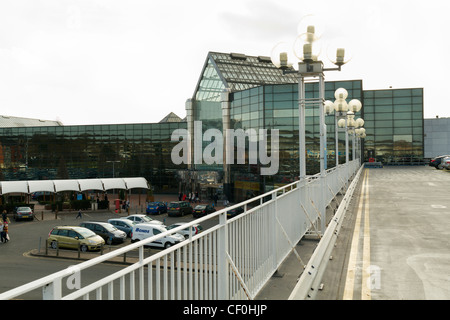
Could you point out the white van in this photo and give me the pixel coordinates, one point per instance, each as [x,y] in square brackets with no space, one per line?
[145,230]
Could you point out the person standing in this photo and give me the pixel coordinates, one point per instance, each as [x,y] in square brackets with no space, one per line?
[1,231]
[216,197]
[79,215]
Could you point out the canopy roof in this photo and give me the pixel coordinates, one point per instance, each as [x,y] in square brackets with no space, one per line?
[72,185]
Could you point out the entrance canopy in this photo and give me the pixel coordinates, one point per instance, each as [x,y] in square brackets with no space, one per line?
[72,185]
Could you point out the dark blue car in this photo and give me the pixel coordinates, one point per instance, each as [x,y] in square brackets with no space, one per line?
[156,207]
[123,224]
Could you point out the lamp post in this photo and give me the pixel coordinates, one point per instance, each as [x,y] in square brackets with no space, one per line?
[345,114]
[307,48]
[113,162]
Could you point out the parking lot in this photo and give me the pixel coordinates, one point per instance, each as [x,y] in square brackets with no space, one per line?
[26,258]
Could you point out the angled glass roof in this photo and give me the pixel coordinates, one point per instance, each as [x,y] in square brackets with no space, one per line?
[237,72]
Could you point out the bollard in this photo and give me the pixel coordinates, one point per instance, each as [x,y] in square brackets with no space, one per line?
[42,215]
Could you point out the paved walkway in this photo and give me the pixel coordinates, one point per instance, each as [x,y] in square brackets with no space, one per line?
[397,245]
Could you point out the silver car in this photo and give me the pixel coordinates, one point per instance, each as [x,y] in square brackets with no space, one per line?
[445,163]
[195,229]
[23,213]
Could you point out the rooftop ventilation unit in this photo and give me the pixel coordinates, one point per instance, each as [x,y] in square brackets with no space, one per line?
[238,56]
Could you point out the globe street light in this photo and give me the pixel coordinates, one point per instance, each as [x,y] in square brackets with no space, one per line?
[307,48]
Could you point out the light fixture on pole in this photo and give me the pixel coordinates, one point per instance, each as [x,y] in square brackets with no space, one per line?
[307,48]
[347,119]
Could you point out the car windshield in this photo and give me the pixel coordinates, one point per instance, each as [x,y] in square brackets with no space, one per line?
[200,207]
[153,204]
[86,233]
[23,209]
[146,219]
[110,228]
[129,222]
[174,204]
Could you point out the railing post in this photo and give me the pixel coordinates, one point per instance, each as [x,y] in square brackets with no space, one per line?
[274,234]
[222,264]
[52,291]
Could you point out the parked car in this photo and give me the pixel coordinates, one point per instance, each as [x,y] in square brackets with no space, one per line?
[74,238]
[145,230]
[179,208]
[105,230]
[445,163]
[142,218]
[124,225]
[196,229]
[234,212]
[21,213]
[156,207]
[202,210]
[436,162]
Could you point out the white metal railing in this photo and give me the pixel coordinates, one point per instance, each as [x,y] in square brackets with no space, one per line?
[231,260]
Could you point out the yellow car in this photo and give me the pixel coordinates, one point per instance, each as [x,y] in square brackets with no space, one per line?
[74,237]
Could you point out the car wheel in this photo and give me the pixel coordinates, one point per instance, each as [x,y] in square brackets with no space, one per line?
[167,245]
[54,244]
[84,248]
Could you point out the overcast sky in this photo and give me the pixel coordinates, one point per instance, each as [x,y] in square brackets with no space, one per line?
[134,61]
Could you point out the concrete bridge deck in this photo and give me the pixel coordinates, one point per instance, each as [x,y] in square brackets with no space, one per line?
[393,245]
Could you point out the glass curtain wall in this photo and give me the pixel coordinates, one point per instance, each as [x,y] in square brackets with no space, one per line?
[394,126]
[276,107]
[91,151]
[207,105]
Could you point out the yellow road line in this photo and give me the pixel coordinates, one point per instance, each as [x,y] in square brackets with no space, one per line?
[366,293]
[351,269]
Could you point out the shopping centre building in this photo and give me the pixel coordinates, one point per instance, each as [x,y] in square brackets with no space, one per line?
[234,91]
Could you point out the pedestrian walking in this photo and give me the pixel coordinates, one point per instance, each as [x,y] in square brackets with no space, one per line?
[79,215]
[5,232]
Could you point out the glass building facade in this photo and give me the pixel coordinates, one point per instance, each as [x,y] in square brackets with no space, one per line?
[91,151]
[258,96]
[276,107]
[394,125]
